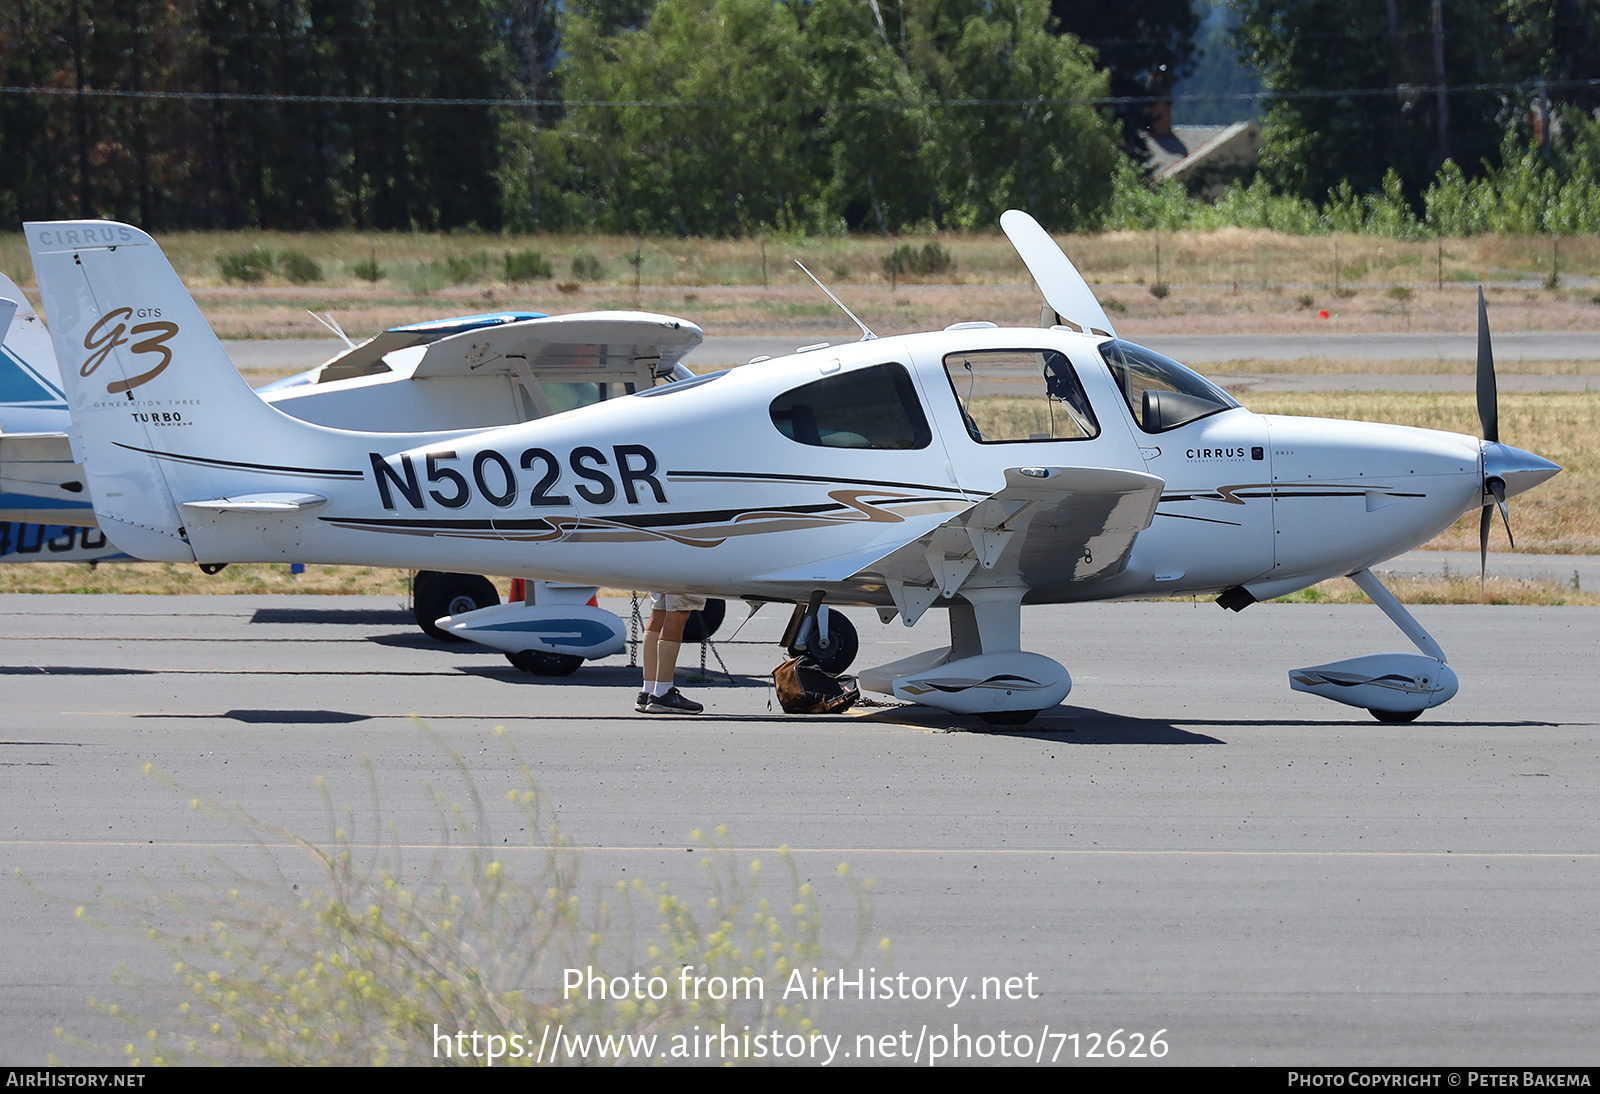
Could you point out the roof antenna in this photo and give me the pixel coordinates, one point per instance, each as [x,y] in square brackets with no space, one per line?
[866,332]
[333,325]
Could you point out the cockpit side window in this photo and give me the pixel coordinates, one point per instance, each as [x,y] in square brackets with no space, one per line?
[1007,396]
[874,407]
[1161,393]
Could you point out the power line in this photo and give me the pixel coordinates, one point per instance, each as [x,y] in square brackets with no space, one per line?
[1403,90]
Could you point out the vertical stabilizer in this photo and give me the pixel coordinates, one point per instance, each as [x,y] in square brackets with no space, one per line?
[149,385]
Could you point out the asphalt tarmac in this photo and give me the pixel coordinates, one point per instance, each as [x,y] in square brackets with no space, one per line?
[1186,846]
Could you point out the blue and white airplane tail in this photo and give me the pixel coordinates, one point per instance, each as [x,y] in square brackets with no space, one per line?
[162,415]
[31,400]
[45,515]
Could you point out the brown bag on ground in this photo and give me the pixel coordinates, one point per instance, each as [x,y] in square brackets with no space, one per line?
[805,688]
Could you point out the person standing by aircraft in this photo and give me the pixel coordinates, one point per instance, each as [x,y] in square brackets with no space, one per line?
[663,637]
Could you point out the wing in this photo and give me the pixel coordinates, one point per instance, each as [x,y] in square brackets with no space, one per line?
[1048,526]
[616,347]
[591,346]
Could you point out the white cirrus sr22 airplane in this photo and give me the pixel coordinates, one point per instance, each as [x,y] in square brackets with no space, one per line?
[974,470]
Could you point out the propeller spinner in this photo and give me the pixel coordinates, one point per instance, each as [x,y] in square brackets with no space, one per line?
[1507,471]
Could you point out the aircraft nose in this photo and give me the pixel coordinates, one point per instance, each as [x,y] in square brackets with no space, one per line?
[1519,470]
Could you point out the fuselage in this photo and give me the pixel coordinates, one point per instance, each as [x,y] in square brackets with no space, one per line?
[783,476]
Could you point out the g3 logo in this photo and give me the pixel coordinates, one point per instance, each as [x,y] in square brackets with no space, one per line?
[111,332]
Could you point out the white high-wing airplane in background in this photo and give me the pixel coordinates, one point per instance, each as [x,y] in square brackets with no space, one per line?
[975,469]
[471,371]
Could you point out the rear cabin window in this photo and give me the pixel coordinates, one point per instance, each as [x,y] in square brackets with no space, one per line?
[873,407]
[1008,396]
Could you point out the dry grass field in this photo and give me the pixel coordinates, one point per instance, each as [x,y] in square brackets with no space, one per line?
[1217,282]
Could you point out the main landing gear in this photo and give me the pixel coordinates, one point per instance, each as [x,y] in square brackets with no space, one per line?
[827,635]
[984,670]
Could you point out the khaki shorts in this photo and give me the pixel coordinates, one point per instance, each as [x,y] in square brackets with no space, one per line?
[676,602]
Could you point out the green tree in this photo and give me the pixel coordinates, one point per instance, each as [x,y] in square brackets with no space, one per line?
[722,145]
[1046,150]
[1320,61]
[881,139]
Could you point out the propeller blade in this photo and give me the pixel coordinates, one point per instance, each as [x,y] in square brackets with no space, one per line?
[1485,521]
[1488,398]
[1498,489]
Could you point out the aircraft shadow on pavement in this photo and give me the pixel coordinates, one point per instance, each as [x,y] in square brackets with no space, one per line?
[72,670]
[273,717]
[367,616]
[1063,725]
[416,640]
[1080,725]
[601,676]
[294,717]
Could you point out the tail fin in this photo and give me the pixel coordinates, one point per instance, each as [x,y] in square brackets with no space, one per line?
[148,383]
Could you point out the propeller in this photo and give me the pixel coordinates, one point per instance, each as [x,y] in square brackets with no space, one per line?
[1507,471]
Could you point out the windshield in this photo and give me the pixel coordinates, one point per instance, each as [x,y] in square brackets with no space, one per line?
[1161,393]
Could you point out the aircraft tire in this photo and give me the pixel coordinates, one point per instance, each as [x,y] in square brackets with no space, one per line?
[1394,715]
[1009,717]
[704,623]
[843,645]
[439,594]
[541,663]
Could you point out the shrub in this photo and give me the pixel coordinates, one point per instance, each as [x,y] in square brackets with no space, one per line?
[425,277]
[368,270]
[527,266]
[251,266]
[906,259]
[585,267]
[299,267]
[364,966]
[1160,290]
[1111,303]
[466,268]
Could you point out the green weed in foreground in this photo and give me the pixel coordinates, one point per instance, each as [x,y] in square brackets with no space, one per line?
[369,964]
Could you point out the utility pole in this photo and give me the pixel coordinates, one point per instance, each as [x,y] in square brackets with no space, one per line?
[1442,153]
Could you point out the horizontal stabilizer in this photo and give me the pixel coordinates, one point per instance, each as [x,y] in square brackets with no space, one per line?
[260,503]
[40,466]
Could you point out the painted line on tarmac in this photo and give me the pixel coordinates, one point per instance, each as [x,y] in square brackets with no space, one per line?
[793,850]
